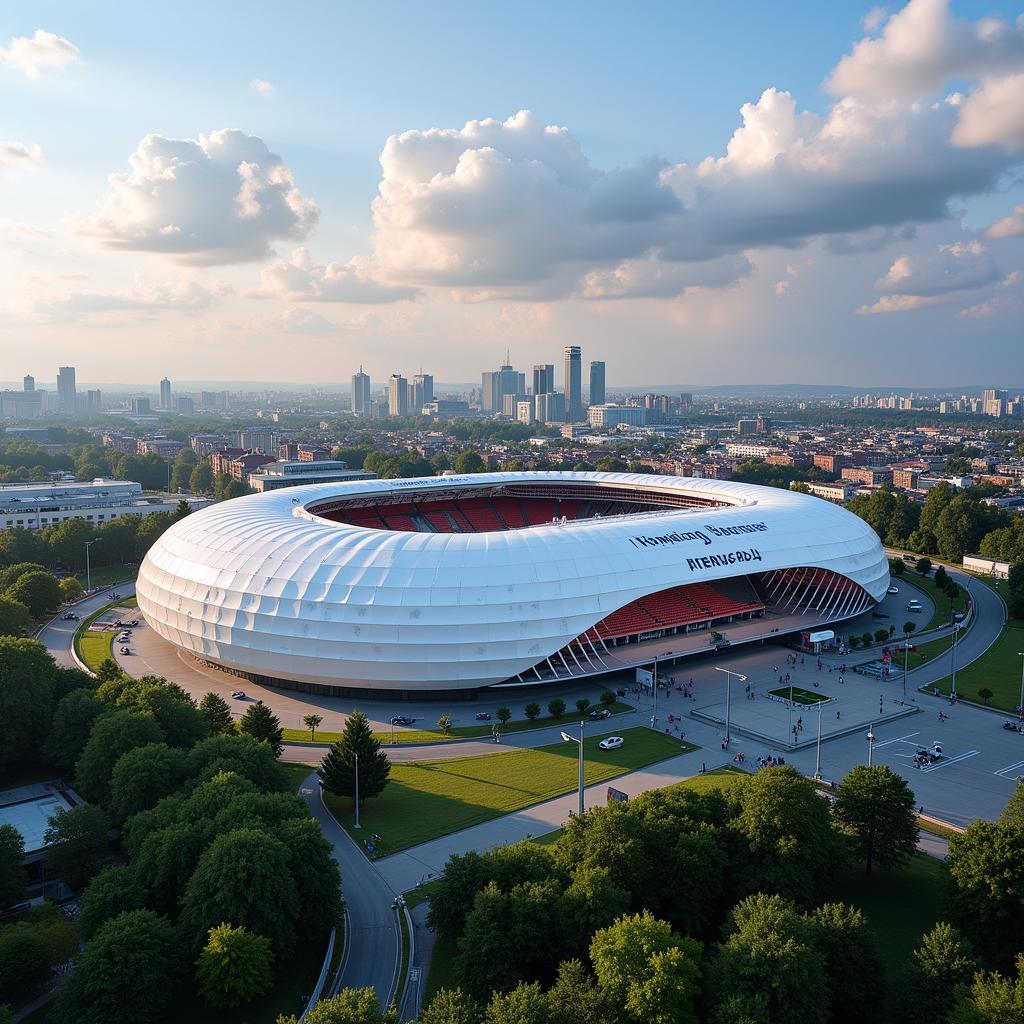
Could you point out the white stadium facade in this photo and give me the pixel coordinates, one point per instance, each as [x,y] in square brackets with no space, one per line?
[445,585]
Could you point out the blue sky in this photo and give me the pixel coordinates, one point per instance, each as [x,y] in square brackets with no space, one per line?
[726,254]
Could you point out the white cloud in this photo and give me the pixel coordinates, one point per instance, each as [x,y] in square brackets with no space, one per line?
[298,320]
[651,278]
[951,268]
[181,293]
[872,21]
[40,52]
[261,86]
[901,303]
[17,154]
[299,279]
[921,48]
[782,288]
[993,115]
[1010,226]
[221,198]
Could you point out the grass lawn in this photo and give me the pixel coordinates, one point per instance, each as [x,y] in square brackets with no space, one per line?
[998,670]
[799,695]
[92,647]
[105,575]
[900,905]
[944,608]
[442,970]
[296,772]
[460,732]
[429,799]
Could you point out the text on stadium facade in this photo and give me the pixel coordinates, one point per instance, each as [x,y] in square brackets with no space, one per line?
[683,536]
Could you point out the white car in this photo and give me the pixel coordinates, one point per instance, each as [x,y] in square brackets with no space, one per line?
[238,694]
[894,590]
[611,743]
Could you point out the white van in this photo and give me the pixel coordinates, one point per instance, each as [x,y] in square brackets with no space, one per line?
[913,606]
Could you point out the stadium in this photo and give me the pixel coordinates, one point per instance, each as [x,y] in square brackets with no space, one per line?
[445,585]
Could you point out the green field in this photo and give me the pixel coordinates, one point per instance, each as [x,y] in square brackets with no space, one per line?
[430,799]
[105,575]
[92,648]
[799,695]
[998,670]
[944,608]
[461,732]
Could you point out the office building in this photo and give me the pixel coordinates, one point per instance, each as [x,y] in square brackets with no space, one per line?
[21,405]
[543,378]
[360,393]
[613,415]
[746,427]
[67,394]
[573,384]
[184,405]
[525,411]
[495,386]
[421,392]
[28,382]
[398,395]
[550,408]
[993,402]
[597,383]
[94,402]
[141,407]
[165,394]
[275,475]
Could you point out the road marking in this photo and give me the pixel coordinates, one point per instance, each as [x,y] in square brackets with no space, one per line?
[1005,773]
[950,760]
[899,739]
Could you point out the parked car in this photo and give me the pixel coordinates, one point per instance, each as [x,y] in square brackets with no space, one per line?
[70,617]
[611,743]
[402,720]
[125,650]
[913,606]
[894,589]
[238,694]
[598,713]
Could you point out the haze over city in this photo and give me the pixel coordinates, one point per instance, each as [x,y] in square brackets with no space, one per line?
[726,194]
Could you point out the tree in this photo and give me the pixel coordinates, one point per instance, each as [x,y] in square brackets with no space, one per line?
[582,704]
[897,567]
[264,726]
[241,755]
[12,875]
[556,707]
[909,627]
[865,638]
[986,866]
[127,973]
[39,592]
[349,1006]
[77,841]
[71,589]
[142,776]
[532,711]
[923,566]
[113,734]
[112,891]
[881,635]
[314,871]
[875,810]
[503,714]
[14,617]
[73,719]
[853,969]
[337,770]
[312,723]
[234,967]
[243,876]
[24,964]
[26,689]
[985,694]
[172,708]
[200,480]
[937,968]
[107,670]
[768,968]
[444,723]
[646,971]
[993,999]
[608,699]
[1013,812]
[591,902]
[575,998]
[941,577]
[525,1004]
[469,461]
[13,573]
[214,708]
[451,1006]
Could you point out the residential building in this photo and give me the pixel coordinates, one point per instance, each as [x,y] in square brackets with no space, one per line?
[165,394]
[28,382]
[93,402]
[141,407]
[597,383]
[21,405]
[840,493]
[906,478]
[184,405]
[313,453]
[573,384]
[422,392]
[67,395]
[259,439]
[746,427]
[550,408]
[871,475]
[360,393]
[398,395]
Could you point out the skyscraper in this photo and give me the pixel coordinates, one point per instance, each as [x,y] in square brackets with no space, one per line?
[94,402]
[165,394]
[398,395]
[573,384]
[28,382]
[495,386]
[66,393]
[543,378]
[360,393]
[422,391]
[597,383]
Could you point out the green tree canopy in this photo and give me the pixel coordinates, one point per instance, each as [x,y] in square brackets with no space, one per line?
[937,968]
[77,842]
[875,810]
[113,734]
[337,770]
[39,592]
[26,694]
[214,708]
[143,776]
[14,617]
[349,1006]
[12,874]
[112,891]
[234,967]
[264,726]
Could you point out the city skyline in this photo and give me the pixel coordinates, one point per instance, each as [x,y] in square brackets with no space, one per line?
[843,201]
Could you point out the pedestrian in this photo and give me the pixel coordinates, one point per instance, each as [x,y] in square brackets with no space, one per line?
[837,715]
[703,768]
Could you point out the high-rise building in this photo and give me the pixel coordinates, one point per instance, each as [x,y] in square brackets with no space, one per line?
[550,407]
[67,394]
[573,384]
[28,382]
[360,393]
[495,386]
[94,402]
[258,440]
[165,394]
[993,401]
[597,383]
[141,407]
[543,378]
[422,392]
[398,395]
[184,405]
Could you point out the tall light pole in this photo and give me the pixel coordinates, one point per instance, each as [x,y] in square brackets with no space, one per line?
[952,649]
[906,662]
[567,738]
[728,696]
[1020,706]
[817,752]
[871,743]
[357,825]
[88,568]
[654,716]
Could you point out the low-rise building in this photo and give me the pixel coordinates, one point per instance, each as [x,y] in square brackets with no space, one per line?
[996,567]
[275,475]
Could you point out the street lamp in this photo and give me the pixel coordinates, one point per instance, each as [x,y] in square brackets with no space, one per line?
[357,825]
[88,569]
[573,739]
[728,695]
[1020,706]
[871,743]
[952,650]
[817,752]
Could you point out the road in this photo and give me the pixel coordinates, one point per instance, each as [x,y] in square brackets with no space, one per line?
[59,636]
